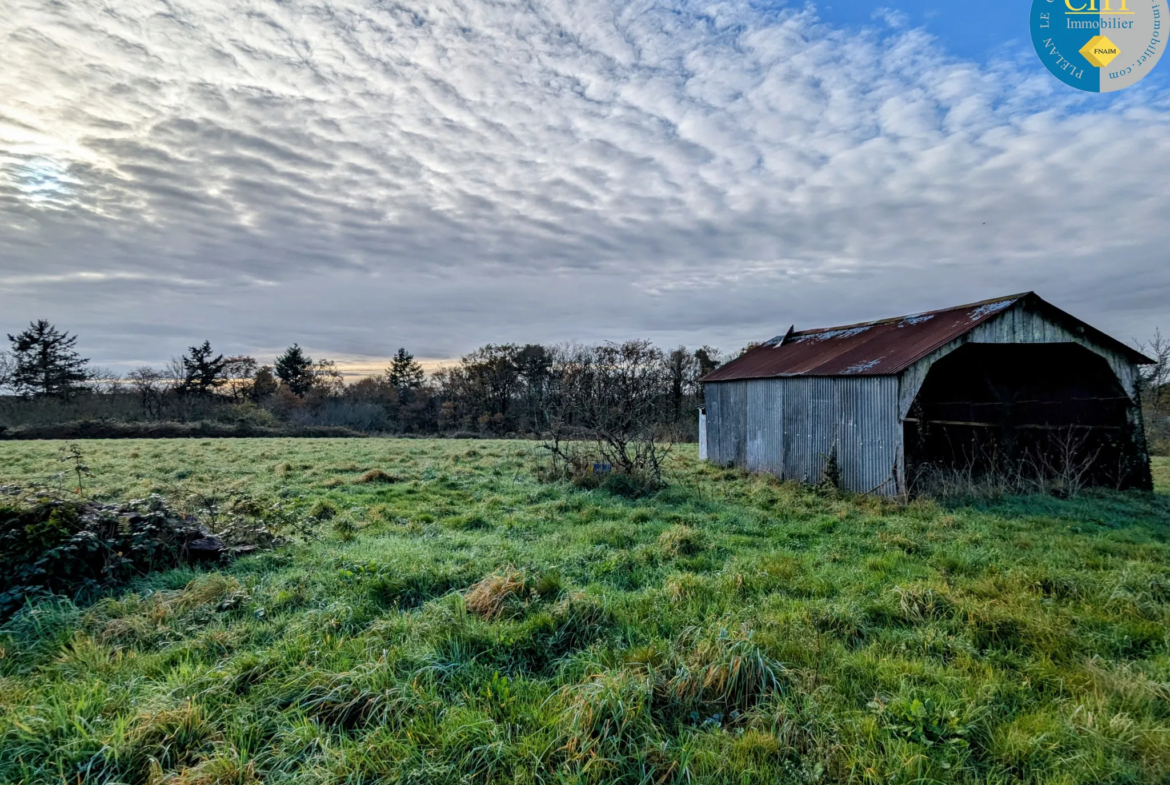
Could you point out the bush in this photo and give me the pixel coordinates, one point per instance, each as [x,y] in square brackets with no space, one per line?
[50,546]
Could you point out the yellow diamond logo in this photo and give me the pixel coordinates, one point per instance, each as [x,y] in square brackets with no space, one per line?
[1100,51]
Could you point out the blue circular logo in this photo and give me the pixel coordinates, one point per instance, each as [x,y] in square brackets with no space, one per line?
[1099,45]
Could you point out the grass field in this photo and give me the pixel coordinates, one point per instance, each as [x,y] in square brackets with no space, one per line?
[483,627]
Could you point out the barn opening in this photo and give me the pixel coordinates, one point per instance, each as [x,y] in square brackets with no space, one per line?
[1051,415]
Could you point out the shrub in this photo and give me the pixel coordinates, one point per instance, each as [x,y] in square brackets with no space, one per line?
[74,548]
[831,476]
[110,429]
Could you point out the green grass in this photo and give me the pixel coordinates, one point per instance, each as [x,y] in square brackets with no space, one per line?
[481,627]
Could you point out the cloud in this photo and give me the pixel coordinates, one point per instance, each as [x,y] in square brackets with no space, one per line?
[892,17]
[361,175]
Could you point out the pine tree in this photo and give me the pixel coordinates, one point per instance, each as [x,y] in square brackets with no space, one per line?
[202,372]
[295,370]
[405,375]
[44,362]
[263,384]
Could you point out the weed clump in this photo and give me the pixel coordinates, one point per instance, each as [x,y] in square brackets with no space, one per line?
[345,528]
[720,677]
[500,595]
[921,603]
[507,593]
[680,541]
[607,719]
[168,739]
[323,510]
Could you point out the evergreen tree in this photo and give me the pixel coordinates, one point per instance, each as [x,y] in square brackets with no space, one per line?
[202,372]
[295,370]
[405,375]
[263,384]
[44,363]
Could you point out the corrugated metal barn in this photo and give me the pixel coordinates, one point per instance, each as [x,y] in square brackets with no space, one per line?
[1015,378]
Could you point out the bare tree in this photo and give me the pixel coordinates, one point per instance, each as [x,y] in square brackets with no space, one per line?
[150,385]
[103,381]
[6,368]
[680,371]
[328,381]
[239,373]
[609,411]
[174,372]
[1155,390]
[1156,377]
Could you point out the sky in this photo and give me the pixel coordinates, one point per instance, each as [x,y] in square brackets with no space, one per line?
[360,175]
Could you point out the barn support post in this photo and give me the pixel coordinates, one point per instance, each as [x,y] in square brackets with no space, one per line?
[702,434]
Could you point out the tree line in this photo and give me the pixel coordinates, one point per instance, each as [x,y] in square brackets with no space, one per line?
[505,389]
[498,390]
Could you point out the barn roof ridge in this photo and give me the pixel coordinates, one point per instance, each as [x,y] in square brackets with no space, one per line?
[886,347]
[920,314]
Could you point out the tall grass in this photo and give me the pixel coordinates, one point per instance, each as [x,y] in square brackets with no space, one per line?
[471,624]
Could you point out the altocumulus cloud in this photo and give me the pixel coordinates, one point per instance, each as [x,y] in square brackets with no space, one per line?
[358,175]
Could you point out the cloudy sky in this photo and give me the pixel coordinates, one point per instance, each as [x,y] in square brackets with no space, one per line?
[358,175]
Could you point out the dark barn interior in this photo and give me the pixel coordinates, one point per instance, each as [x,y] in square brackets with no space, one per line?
[1024,414]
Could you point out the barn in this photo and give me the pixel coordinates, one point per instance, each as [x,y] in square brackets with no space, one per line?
[1010,385]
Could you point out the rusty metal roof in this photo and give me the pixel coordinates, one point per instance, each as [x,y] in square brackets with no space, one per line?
[887,346]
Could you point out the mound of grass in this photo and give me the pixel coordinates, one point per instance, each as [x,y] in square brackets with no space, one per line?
[481,626]
[501,594]
[376,476]
[680,541]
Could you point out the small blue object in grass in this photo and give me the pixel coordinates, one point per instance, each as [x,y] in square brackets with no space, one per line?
[602,468]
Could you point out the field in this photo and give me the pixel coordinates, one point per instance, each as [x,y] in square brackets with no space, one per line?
[480,626]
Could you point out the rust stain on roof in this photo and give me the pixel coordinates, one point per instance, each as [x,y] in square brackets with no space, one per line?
[883,347]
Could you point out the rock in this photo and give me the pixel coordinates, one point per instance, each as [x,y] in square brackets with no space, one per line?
[204,549]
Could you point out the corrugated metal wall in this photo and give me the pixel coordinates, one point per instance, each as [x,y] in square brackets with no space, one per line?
[789,426]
